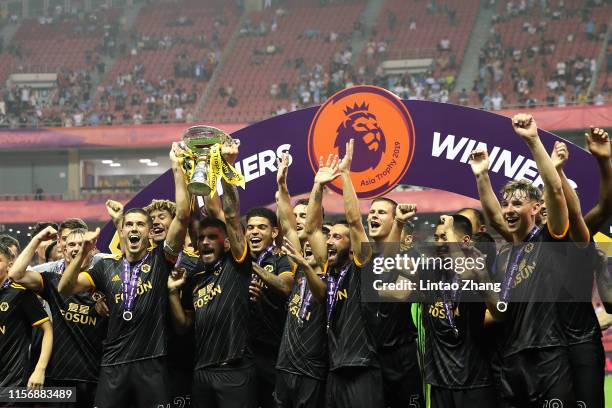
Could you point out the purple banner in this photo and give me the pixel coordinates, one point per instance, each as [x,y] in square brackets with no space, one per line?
[414,142]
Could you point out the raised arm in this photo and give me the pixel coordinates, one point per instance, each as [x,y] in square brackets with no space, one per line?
[115,211]
[577,227]
[598,144]
[283,203]
[313,273]
[231,208]
[328,171]
[362,251]
[479,161]
[19,270]
[72,280]
[181,318]
[178,228]
[558,222]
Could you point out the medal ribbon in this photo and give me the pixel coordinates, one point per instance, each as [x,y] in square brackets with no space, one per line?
[260,259]
[6,284]
[305,306]
[513,266]
[332,291]
[130,283]
[448,298]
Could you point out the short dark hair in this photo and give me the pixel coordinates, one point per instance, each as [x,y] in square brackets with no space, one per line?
[527,186]
[478,213]
[49,250]
[9,241]
[264,213]
[209,222]
[5,250]
[138,210]
[461,225]
[305,201]
[341,221]
[39,226]
[386,200]
[72,223]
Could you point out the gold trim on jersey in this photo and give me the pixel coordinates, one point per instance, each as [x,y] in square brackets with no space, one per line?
[90,279]
[41,321]
[17,286]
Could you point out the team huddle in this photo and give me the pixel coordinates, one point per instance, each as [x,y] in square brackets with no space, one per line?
[202,310]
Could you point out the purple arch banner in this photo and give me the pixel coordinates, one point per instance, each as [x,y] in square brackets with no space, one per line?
[397,142]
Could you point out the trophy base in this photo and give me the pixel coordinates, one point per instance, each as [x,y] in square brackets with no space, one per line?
[199,189]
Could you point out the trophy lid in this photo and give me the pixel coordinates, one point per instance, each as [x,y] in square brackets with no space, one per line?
[200,137]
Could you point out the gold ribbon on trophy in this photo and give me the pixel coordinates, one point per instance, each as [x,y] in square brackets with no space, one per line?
[203,164]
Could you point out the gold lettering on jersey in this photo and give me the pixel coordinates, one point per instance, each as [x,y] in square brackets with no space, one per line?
[524,273]
[342,294]
[206,294]
[79,318]
[437,310]
[2,329]
[140,290]
[295,304]
[4,307]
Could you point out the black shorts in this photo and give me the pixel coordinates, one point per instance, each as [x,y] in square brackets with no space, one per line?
[472,398]
[401,375]
[139,384]
[587,361]
[355,387]
[298,391]
[179,386]
[265,369]
[230,386]
[537,378]
[85,393]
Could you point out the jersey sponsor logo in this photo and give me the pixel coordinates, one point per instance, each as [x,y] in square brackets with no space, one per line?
[140,290]
[382,129]
[3,329]
[525,271]
[4,306]
[295,304]
[206,294]
[79,314]
[437,310]
[342,294]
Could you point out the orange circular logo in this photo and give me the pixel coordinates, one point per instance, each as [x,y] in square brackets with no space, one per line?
[383,132]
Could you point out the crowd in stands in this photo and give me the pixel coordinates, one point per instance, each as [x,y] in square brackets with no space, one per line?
[147,74]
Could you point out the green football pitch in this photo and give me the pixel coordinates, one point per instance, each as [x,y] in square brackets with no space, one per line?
[608,388]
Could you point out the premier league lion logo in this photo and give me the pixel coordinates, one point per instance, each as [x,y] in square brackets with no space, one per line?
[370,143]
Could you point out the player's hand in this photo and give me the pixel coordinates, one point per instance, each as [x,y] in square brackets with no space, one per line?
[176,279]
[37,379]
[345,164]
[282,165]
[229,151]
[328,171]
[176,151]
[48,234]
[254,292]
[559,155]
[404,212]
[293,254]
[89,241]
[114,209]
[605,320]
[479,161]
[598,143]
[525,126]
[101,306]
